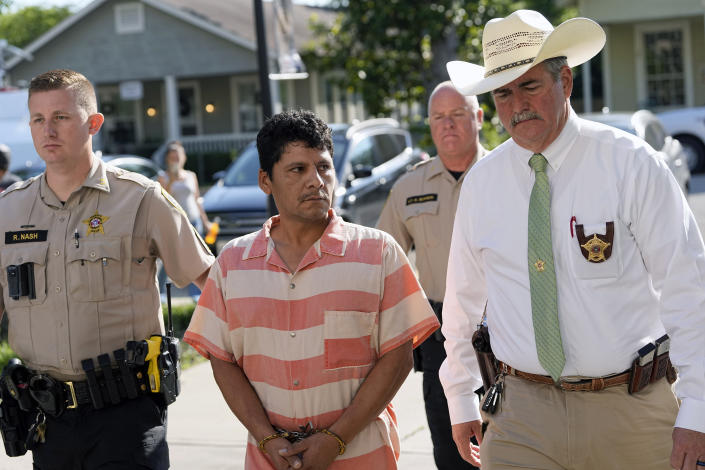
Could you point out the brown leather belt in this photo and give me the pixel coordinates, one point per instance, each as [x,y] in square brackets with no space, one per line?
[586,385]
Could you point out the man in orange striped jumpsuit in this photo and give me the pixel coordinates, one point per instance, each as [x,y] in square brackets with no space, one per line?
[310,322]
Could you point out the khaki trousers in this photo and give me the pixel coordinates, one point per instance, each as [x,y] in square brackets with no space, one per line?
[543,427]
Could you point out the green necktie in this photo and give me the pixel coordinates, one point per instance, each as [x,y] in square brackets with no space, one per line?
[542,274]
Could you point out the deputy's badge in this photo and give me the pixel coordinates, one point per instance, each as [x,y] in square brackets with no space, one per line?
[540,265]
[596,248]
[95,223]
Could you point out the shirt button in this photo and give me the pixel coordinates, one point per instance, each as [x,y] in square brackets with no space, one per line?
[92,254]
[57,289]
[292,285]
[293,333]
[296,382]
[56,253]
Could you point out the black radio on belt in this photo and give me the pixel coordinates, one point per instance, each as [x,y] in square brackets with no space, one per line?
[20,281]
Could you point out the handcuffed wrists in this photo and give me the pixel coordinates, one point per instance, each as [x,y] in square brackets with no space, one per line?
[277,435]
[341,442]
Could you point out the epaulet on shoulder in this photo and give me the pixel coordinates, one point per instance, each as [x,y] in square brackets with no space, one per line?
[420,164]
[19,185]
[131,176]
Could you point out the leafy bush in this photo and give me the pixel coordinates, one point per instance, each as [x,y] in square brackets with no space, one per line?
[5,354]
[181,316]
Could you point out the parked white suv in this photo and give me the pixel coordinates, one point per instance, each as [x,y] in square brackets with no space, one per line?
[688,126]
[15,133]
[646,125]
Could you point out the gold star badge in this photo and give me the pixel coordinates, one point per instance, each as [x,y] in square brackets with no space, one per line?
[95,223]
[596,249]
[540,265]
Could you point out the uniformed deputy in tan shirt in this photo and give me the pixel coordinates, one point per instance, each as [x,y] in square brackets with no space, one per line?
[84,237]
[94,265]
[419,213]
[421,206]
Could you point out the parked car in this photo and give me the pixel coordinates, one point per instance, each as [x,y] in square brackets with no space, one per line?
[368,159]
[143,166]
[646,125]
[24,160]
[15,133]
[688,126]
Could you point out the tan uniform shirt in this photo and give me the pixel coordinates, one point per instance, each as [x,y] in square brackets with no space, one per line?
[420,211]
[94,265]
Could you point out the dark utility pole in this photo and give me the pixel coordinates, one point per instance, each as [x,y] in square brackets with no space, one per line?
[262,61]
[264,91]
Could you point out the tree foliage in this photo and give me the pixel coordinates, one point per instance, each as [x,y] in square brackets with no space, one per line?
[23,26]
[395,51]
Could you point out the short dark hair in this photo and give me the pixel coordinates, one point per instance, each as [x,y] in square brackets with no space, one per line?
[61,79]
[291,126]
[4,157]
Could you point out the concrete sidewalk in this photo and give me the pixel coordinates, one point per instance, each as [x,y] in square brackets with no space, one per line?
[205,435]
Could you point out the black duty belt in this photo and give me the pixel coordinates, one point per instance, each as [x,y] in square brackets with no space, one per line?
[79,393]
[148,366]
[110,386]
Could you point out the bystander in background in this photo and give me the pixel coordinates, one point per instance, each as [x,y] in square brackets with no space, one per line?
[182,184]
[7,179]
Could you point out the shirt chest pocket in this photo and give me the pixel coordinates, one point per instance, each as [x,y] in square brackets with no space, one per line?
[419,219]
[420,208]
[27,261]
[348,338]
[95,270]
[594,250]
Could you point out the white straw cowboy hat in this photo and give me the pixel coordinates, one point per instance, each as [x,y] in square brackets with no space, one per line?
[512,45]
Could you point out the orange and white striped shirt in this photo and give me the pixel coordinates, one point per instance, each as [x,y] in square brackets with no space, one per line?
[307,340]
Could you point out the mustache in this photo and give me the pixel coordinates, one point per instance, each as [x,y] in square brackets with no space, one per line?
[317,194]
[525,116]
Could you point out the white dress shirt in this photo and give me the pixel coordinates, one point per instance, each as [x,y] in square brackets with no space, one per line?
[654,278]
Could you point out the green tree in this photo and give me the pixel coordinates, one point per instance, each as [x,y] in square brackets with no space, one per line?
[23,26]
[395,51]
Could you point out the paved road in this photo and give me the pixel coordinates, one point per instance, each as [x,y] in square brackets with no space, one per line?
[204,435]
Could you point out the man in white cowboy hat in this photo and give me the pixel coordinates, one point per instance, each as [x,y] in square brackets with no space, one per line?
[587,256]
